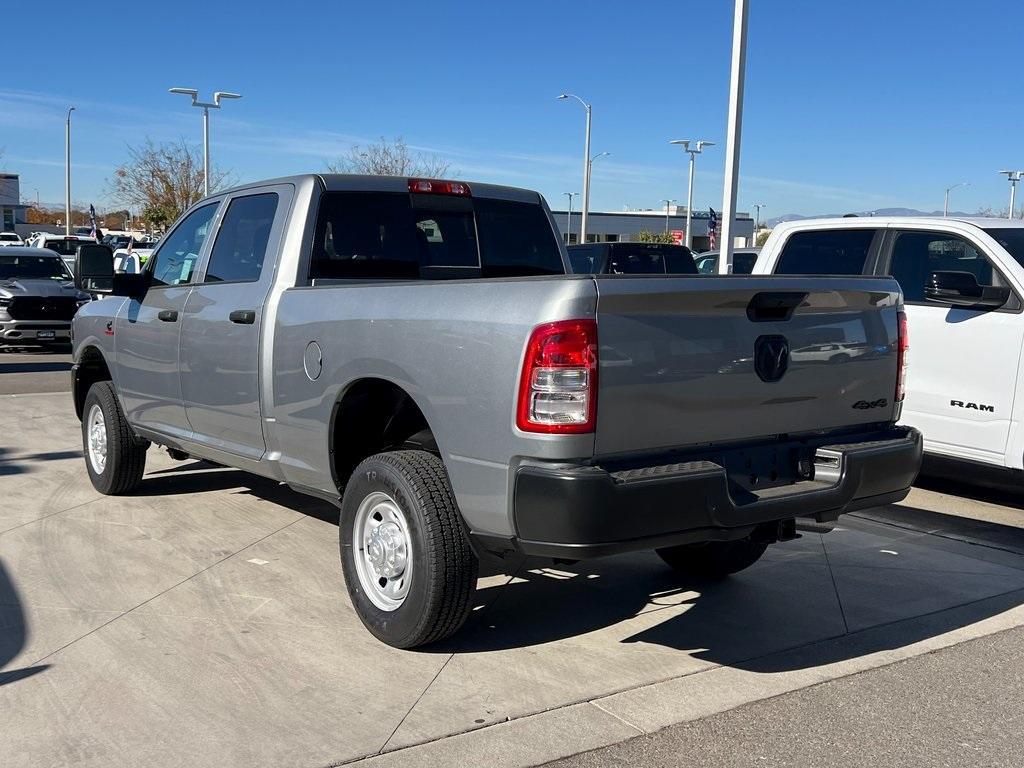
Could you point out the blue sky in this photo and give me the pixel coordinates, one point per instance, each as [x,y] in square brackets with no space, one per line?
[849,106]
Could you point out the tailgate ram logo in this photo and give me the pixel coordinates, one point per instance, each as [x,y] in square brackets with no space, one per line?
[771,357]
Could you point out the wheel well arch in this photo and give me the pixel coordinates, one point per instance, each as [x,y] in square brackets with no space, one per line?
[372,415]
[90,368]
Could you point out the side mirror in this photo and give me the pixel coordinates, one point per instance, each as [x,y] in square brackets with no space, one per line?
[94,268]
[961,289]
[95,273]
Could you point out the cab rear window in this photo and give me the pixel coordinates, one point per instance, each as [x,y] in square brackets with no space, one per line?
[826,252]
[395,236]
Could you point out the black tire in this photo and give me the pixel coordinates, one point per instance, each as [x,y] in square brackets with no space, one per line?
[713,560]
[126,454]
[443,574]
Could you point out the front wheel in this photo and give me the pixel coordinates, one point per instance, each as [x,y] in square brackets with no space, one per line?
[114,456]
[408,566]
[713,559]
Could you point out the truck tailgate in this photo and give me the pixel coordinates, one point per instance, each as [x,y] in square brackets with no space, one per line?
[694,360]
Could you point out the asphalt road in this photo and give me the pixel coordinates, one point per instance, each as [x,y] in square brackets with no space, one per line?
[962,706]
[28,371]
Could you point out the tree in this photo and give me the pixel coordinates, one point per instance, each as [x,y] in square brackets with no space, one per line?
[655,237]
[163,179]
[390,159]
[116,219]
[761,237]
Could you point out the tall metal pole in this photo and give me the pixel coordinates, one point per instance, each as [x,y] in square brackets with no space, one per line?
[667,204]
[67,173]
[733,133]
[689,203]
[568,217]
[1013,195]
[206,106]
[206,151]
[586,180]
[945,203]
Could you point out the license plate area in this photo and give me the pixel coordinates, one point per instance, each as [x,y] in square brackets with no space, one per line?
[46,334]
[766,466]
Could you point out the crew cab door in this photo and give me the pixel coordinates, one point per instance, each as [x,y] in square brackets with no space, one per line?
[146,332]
[963,363]
[223,319]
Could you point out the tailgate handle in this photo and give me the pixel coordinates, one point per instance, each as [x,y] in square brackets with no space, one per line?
[774,306]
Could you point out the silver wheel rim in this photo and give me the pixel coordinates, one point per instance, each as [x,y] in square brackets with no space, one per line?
[96,438]
[382,550]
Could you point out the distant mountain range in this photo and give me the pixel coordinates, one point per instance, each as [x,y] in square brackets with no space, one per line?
[876,212]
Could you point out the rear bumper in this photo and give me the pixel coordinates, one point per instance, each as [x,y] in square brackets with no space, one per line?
[35,331]
[577,512]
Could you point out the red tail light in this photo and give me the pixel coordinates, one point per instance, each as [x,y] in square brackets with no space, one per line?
[901,357]
[433,187]
[558,388]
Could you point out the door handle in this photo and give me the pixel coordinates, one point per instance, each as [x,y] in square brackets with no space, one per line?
[168,315]
[243,316]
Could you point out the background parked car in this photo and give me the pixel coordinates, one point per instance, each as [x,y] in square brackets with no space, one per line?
[37,298]
[963,283]
[64,245]
[743,261]
[632,259]
[10,238]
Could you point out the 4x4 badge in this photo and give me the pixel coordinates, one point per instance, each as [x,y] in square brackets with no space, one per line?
[863,405]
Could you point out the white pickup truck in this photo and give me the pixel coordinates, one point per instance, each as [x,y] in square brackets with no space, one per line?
[963,284]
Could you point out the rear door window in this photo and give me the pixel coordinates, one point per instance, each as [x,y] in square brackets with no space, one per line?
[395,236]
[826,252]
[241,245]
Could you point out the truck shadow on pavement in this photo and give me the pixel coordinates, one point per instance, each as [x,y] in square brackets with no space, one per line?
[798,608]
[13,631]
[202,477]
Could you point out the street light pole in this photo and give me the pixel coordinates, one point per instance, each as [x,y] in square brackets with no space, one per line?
[67,172]
[206,107]
[757,218]
[667,204]
[586,166]
[733,134]
[568,217]
[1013,177]
[696,150]
[945,203]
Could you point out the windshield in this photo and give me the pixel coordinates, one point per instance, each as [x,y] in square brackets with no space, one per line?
[32,268]
[1011,238]
[8,238]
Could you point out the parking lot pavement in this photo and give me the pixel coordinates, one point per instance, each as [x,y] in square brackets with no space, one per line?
[202,621]
[26,370]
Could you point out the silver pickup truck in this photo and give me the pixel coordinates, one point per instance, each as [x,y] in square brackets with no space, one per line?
[414,351]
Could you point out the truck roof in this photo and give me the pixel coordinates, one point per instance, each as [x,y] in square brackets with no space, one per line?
[982,222]
[352,182]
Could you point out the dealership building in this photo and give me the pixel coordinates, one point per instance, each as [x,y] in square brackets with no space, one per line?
[626,226]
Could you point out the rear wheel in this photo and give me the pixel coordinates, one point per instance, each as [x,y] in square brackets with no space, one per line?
[408,566]
[114,456]
[713,559]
